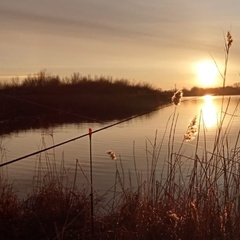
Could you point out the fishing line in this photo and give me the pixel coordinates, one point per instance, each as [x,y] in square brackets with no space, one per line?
[87,134]
[81,136]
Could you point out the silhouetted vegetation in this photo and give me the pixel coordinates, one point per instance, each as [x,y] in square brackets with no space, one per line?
[198,201]
[228,90]
[42,99]
[202,203]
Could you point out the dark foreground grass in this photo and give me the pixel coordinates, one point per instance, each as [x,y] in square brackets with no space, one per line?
[191,197]
[200,203]
[204,205]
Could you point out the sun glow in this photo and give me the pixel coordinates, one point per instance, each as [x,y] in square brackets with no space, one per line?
[207,73]
[209,111]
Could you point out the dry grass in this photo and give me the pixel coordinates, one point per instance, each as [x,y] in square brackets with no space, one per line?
[198,202]
[203,205]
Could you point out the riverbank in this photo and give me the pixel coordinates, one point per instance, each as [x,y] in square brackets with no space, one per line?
[42,100]
[197,202]
[204,205]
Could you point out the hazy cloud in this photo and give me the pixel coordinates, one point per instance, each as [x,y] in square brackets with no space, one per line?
[111,34]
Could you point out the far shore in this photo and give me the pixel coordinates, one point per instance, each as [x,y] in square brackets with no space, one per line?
[43,100]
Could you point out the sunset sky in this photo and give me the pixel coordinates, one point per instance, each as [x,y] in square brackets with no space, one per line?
[155,41]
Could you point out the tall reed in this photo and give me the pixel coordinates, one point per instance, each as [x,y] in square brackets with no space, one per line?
[193,196]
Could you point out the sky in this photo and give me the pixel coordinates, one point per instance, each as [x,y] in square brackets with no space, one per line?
[157,42]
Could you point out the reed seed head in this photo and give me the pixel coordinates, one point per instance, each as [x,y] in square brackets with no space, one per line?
[191,130]
[112,154]
[176,98]
[173,215]
[229,40]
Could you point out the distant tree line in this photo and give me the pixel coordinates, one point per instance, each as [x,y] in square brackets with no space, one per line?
[44,83]
[43,99]
[228,90]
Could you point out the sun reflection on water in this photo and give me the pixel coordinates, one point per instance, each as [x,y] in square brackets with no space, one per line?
[209,111]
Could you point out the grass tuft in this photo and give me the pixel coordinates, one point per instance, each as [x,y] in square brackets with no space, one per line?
[197,201]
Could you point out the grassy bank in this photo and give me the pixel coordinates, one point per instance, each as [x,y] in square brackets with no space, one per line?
[193,196]
[43,99]
[202,203]
[197,201]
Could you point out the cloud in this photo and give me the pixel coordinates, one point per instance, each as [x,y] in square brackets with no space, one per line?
[83,23]
[131,20]
[130,36]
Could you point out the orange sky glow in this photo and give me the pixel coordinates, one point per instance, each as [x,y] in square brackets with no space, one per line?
[158,42]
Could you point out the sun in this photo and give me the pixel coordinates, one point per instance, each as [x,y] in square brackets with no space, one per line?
[206,73]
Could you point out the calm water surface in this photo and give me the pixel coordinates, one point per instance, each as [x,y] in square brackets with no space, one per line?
[129,140]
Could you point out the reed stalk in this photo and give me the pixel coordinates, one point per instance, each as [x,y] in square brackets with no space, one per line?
[198,198]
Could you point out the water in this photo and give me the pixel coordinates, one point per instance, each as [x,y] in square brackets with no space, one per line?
[131,141]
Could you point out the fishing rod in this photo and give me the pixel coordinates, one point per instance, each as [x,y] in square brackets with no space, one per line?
[84,135]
